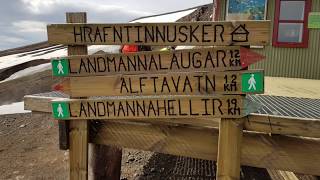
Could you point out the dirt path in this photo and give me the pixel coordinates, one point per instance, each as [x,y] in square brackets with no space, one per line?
[29,149]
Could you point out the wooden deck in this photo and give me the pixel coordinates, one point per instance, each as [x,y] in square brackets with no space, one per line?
[289,107]
[292,87]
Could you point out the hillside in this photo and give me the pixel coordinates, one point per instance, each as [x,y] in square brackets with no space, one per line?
[22,71]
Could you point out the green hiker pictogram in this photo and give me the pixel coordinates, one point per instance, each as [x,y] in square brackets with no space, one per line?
[253,82]
[60,110]
[60,67]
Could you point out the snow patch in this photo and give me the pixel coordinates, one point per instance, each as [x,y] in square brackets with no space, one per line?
[166,17]
[16,59]
[48,53]
[105,48]
[29,71]
[14,108]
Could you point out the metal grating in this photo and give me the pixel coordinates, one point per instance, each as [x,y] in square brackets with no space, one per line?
[270,105]
[287,106]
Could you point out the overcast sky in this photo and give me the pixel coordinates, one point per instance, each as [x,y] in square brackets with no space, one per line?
[23,22]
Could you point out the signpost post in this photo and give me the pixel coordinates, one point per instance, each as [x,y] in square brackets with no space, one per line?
[184,84]
[78,135]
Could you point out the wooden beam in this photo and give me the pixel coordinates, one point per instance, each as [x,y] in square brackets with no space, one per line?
[182,83]
[281,175]
[294,154]
[229,149]
[38,103]
[270,124]
[152,108]
[78,135]
[185,33]
[197,59]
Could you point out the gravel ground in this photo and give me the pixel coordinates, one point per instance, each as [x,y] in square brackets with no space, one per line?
[29,150]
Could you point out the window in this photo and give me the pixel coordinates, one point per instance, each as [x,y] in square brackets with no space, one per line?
[291,23]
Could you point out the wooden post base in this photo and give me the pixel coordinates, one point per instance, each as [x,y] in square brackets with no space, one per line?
[229,150]
[63,134]
[78,134]
[104,162]
[78,150]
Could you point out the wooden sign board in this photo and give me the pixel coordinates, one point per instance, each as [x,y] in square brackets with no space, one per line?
[204,59]
[132,107]
[178,33]
[184,83]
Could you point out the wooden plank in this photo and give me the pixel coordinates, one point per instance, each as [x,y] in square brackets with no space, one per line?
[229,149]
[281,175]
[38,103]
[287,175]
[177,33]
[270,124]
[153,107]
[78,135]
[294,154]
[183,83]
[198,59]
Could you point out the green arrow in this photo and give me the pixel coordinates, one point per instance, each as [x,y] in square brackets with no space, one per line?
[60,110]
[60,67]
[253,82]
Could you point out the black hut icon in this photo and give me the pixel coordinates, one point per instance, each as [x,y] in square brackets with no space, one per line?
[240,34]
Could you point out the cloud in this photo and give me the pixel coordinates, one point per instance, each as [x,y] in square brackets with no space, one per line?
[39,6]
[27,26]
[24,22]
[9,39]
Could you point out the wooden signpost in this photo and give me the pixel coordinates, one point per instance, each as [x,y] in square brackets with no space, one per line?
[145,107]
[193,83]
[185,84]
[181,33]
[199,59]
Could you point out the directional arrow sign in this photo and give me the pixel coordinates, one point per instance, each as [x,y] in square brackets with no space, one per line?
[229,106]
[178,33]
[193,83]
[204,59]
